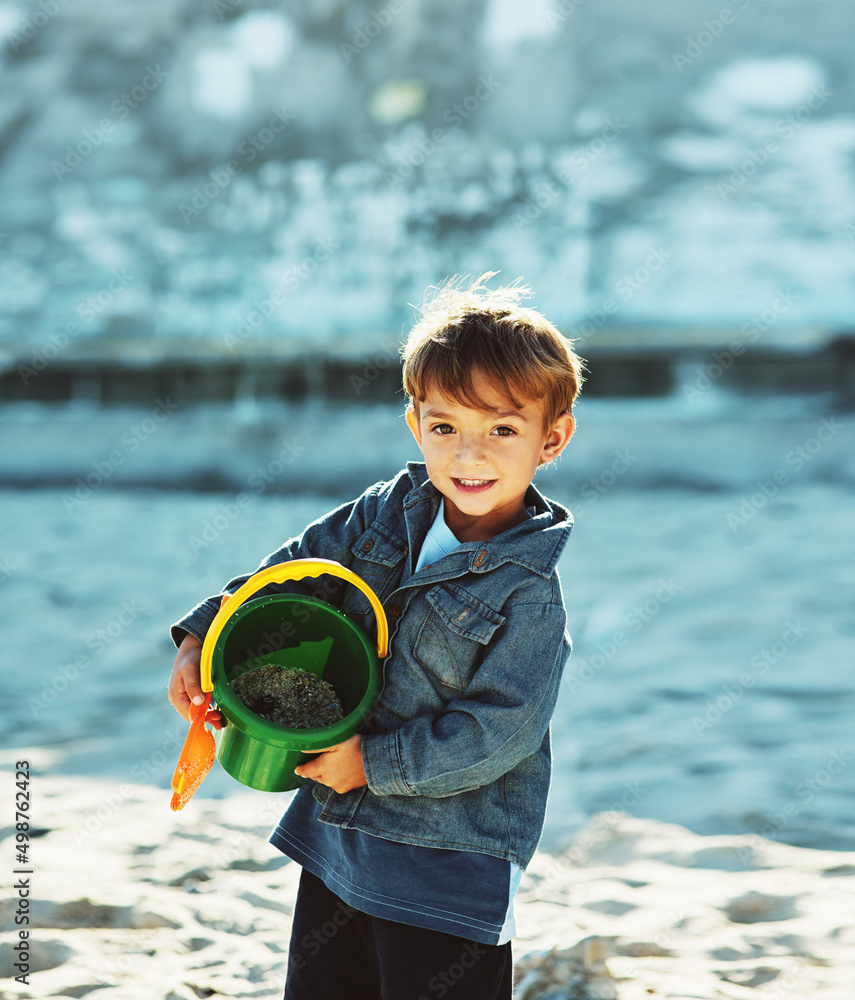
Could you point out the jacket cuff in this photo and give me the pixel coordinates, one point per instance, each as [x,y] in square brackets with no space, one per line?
[381,759]
[196,623]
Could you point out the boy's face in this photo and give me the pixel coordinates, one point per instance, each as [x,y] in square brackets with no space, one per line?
[483,462]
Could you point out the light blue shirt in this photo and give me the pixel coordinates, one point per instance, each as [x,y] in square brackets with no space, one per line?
[439,541]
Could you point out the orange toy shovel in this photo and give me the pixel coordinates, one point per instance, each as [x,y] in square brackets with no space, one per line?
[197,756]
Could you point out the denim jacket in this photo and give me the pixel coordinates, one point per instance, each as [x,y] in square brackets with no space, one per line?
[457,750]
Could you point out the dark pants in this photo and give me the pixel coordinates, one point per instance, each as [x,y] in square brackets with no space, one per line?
[338,953]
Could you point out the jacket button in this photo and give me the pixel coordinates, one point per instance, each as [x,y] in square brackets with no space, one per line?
[394,611]
[482,555]
[368,546]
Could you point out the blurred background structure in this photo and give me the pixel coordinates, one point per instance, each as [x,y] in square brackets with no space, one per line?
[197,186]
[215,221]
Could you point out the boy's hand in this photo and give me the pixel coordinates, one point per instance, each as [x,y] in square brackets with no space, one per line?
[339,767]
[185,681]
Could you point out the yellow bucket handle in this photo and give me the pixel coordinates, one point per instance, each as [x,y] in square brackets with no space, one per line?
[296,569]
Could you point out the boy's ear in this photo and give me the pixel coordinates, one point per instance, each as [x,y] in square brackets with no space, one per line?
[558,437]
[413,424]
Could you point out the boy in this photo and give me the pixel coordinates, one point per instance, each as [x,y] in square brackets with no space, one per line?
[414,833]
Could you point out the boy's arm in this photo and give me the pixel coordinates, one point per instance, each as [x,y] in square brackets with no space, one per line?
[500,719]
[329,537]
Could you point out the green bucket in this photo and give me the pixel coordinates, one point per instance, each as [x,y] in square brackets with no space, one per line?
[295,632]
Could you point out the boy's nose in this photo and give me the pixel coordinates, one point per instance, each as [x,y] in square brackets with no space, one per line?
[471,453]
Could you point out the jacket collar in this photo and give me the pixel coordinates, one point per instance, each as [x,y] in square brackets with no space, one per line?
[536,544]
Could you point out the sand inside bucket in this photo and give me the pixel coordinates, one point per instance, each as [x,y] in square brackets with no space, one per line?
[288,697]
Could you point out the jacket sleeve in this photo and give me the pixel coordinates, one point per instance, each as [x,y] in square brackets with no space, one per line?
[329,537]
[500,719]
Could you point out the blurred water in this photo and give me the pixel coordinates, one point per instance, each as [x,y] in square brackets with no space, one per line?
[710,682]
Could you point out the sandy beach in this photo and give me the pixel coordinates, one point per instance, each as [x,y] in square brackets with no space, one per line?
[132,901]
[698,840]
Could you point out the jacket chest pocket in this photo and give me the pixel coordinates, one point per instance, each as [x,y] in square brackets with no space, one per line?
[378,560]
[454,637]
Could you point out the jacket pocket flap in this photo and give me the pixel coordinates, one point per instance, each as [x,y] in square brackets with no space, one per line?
[378,546]
[463,613]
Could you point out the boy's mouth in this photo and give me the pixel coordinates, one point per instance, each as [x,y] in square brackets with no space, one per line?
[473,485]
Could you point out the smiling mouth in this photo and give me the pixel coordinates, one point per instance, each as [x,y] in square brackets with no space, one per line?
[473,484]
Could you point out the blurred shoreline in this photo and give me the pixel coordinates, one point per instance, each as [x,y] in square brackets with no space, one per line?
[630,361]
[706,583]
[715,440]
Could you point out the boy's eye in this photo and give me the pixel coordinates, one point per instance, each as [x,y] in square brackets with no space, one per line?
[505,431]
[443,429]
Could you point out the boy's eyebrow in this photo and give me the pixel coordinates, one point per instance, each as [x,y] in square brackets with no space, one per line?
[498,414]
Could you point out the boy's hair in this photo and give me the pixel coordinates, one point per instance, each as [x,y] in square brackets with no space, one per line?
[464,331]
